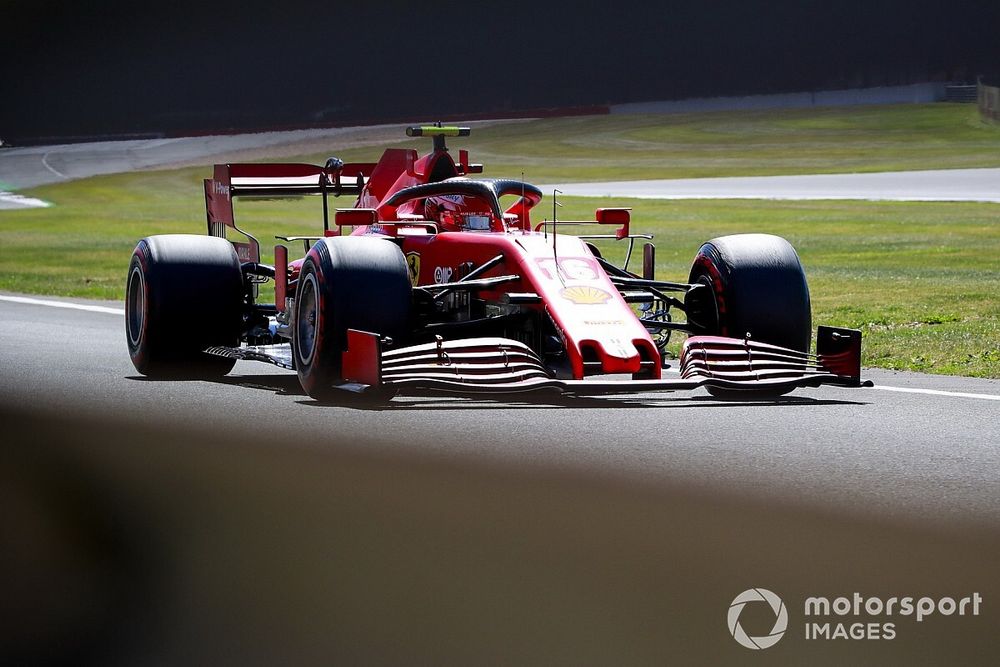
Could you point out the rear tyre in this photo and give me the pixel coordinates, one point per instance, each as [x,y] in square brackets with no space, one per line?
[756,286]
[183,293]
[346,282]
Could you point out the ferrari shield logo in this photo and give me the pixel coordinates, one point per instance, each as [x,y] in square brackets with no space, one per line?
[413,264]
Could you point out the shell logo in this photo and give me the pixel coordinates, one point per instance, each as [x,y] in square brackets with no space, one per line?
[584,294]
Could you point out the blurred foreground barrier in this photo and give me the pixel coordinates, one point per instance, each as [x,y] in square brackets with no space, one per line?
[129,544]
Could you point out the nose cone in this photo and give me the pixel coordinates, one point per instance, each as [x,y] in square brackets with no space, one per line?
[616,354]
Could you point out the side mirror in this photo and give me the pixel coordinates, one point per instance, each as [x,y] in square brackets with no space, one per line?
[615,216]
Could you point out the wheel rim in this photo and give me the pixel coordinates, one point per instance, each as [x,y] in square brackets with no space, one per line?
[136,305]
[704,310]
[307,319]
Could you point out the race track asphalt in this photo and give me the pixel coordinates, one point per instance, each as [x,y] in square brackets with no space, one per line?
[916,446]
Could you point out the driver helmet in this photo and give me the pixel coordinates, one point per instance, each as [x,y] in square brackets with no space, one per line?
[458,212]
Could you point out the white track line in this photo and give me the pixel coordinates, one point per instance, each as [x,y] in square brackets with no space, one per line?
[63,304]
[45,163]
[911,390]
[937,392]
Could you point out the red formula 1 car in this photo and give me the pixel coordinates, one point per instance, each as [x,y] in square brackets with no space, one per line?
[446,283]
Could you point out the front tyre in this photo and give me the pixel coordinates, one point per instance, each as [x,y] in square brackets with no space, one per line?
[754,285]
[183,293]
[346,282]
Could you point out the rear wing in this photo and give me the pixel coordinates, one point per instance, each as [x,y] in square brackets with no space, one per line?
[284,179]
[270,180]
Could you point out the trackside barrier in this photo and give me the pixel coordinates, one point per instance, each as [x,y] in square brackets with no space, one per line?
[135,542]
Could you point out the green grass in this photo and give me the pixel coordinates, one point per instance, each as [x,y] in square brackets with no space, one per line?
[920,279]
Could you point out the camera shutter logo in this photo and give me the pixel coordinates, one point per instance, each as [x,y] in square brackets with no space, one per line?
[780,621]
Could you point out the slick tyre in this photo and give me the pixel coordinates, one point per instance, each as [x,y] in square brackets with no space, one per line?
[346,282]
[183,293]
[756,287]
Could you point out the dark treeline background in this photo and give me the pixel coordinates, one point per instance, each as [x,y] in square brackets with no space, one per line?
[68,68]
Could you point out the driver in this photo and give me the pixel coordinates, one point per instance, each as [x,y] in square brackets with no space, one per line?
[458,212]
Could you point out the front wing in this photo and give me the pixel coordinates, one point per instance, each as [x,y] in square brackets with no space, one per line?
[500,365]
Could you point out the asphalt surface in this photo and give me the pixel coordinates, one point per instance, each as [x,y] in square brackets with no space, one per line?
[892,451]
